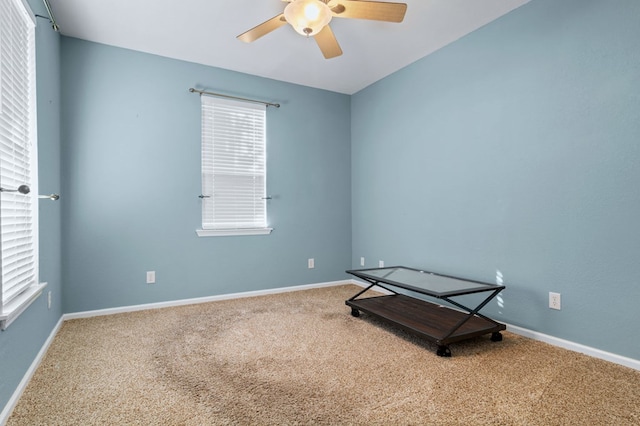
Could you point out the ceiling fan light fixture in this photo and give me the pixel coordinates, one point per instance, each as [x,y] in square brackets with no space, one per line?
[307,17]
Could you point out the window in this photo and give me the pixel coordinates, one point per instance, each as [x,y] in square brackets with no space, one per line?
[233,168]
[18,211]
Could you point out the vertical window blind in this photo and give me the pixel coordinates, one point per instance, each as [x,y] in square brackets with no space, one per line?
[233,164]
[18,212]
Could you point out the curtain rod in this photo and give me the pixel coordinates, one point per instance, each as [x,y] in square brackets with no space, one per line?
[202,92]
[51,17]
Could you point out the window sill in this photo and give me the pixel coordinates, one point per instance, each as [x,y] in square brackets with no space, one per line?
[232,232]
[20,304]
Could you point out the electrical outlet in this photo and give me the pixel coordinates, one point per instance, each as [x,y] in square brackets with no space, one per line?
[381,264]
[151,277]
[311,263]
[49,300]
[554,300]
[362,261]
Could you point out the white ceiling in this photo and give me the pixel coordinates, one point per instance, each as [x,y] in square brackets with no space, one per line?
[204,31]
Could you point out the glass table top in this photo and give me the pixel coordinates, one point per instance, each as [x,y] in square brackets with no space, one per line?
[423,281]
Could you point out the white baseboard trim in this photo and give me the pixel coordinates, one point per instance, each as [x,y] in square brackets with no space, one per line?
[206,299]
[13,401]
[576,347]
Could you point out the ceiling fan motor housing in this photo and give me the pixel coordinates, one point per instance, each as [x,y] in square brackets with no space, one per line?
[307,17]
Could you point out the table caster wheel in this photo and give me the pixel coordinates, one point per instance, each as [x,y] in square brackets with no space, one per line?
[496,337]
[443,351]
[355,312]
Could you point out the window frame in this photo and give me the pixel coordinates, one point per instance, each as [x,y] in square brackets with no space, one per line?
[29,291]
[216,139]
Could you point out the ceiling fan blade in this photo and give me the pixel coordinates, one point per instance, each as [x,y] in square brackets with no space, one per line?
[328,43]
[375,10]
[265,28]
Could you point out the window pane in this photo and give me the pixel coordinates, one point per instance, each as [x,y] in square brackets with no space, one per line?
[233,164]
[18,235]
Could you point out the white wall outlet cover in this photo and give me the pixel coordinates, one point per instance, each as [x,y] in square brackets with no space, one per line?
[554,300]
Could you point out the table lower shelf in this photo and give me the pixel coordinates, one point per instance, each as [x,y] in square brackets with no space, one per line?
[429,320]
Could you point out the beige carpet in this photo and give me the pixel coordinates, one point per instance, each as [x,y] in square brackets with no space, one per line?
[301,358]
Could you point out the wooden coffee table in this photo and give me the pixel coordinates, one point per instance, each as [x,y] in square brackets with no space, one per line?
[408,309]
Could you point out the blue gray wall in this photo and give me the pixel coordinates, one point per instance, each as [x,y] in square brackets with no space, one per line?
[20,343]
[515,151]
[131,144]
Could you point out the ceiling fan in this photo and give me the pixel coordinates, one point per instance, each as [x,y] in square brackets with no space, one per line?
[311,18]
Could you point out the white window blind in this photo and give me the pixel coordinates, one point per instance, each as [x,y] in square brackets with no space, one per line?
[233,165]
[18,212]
